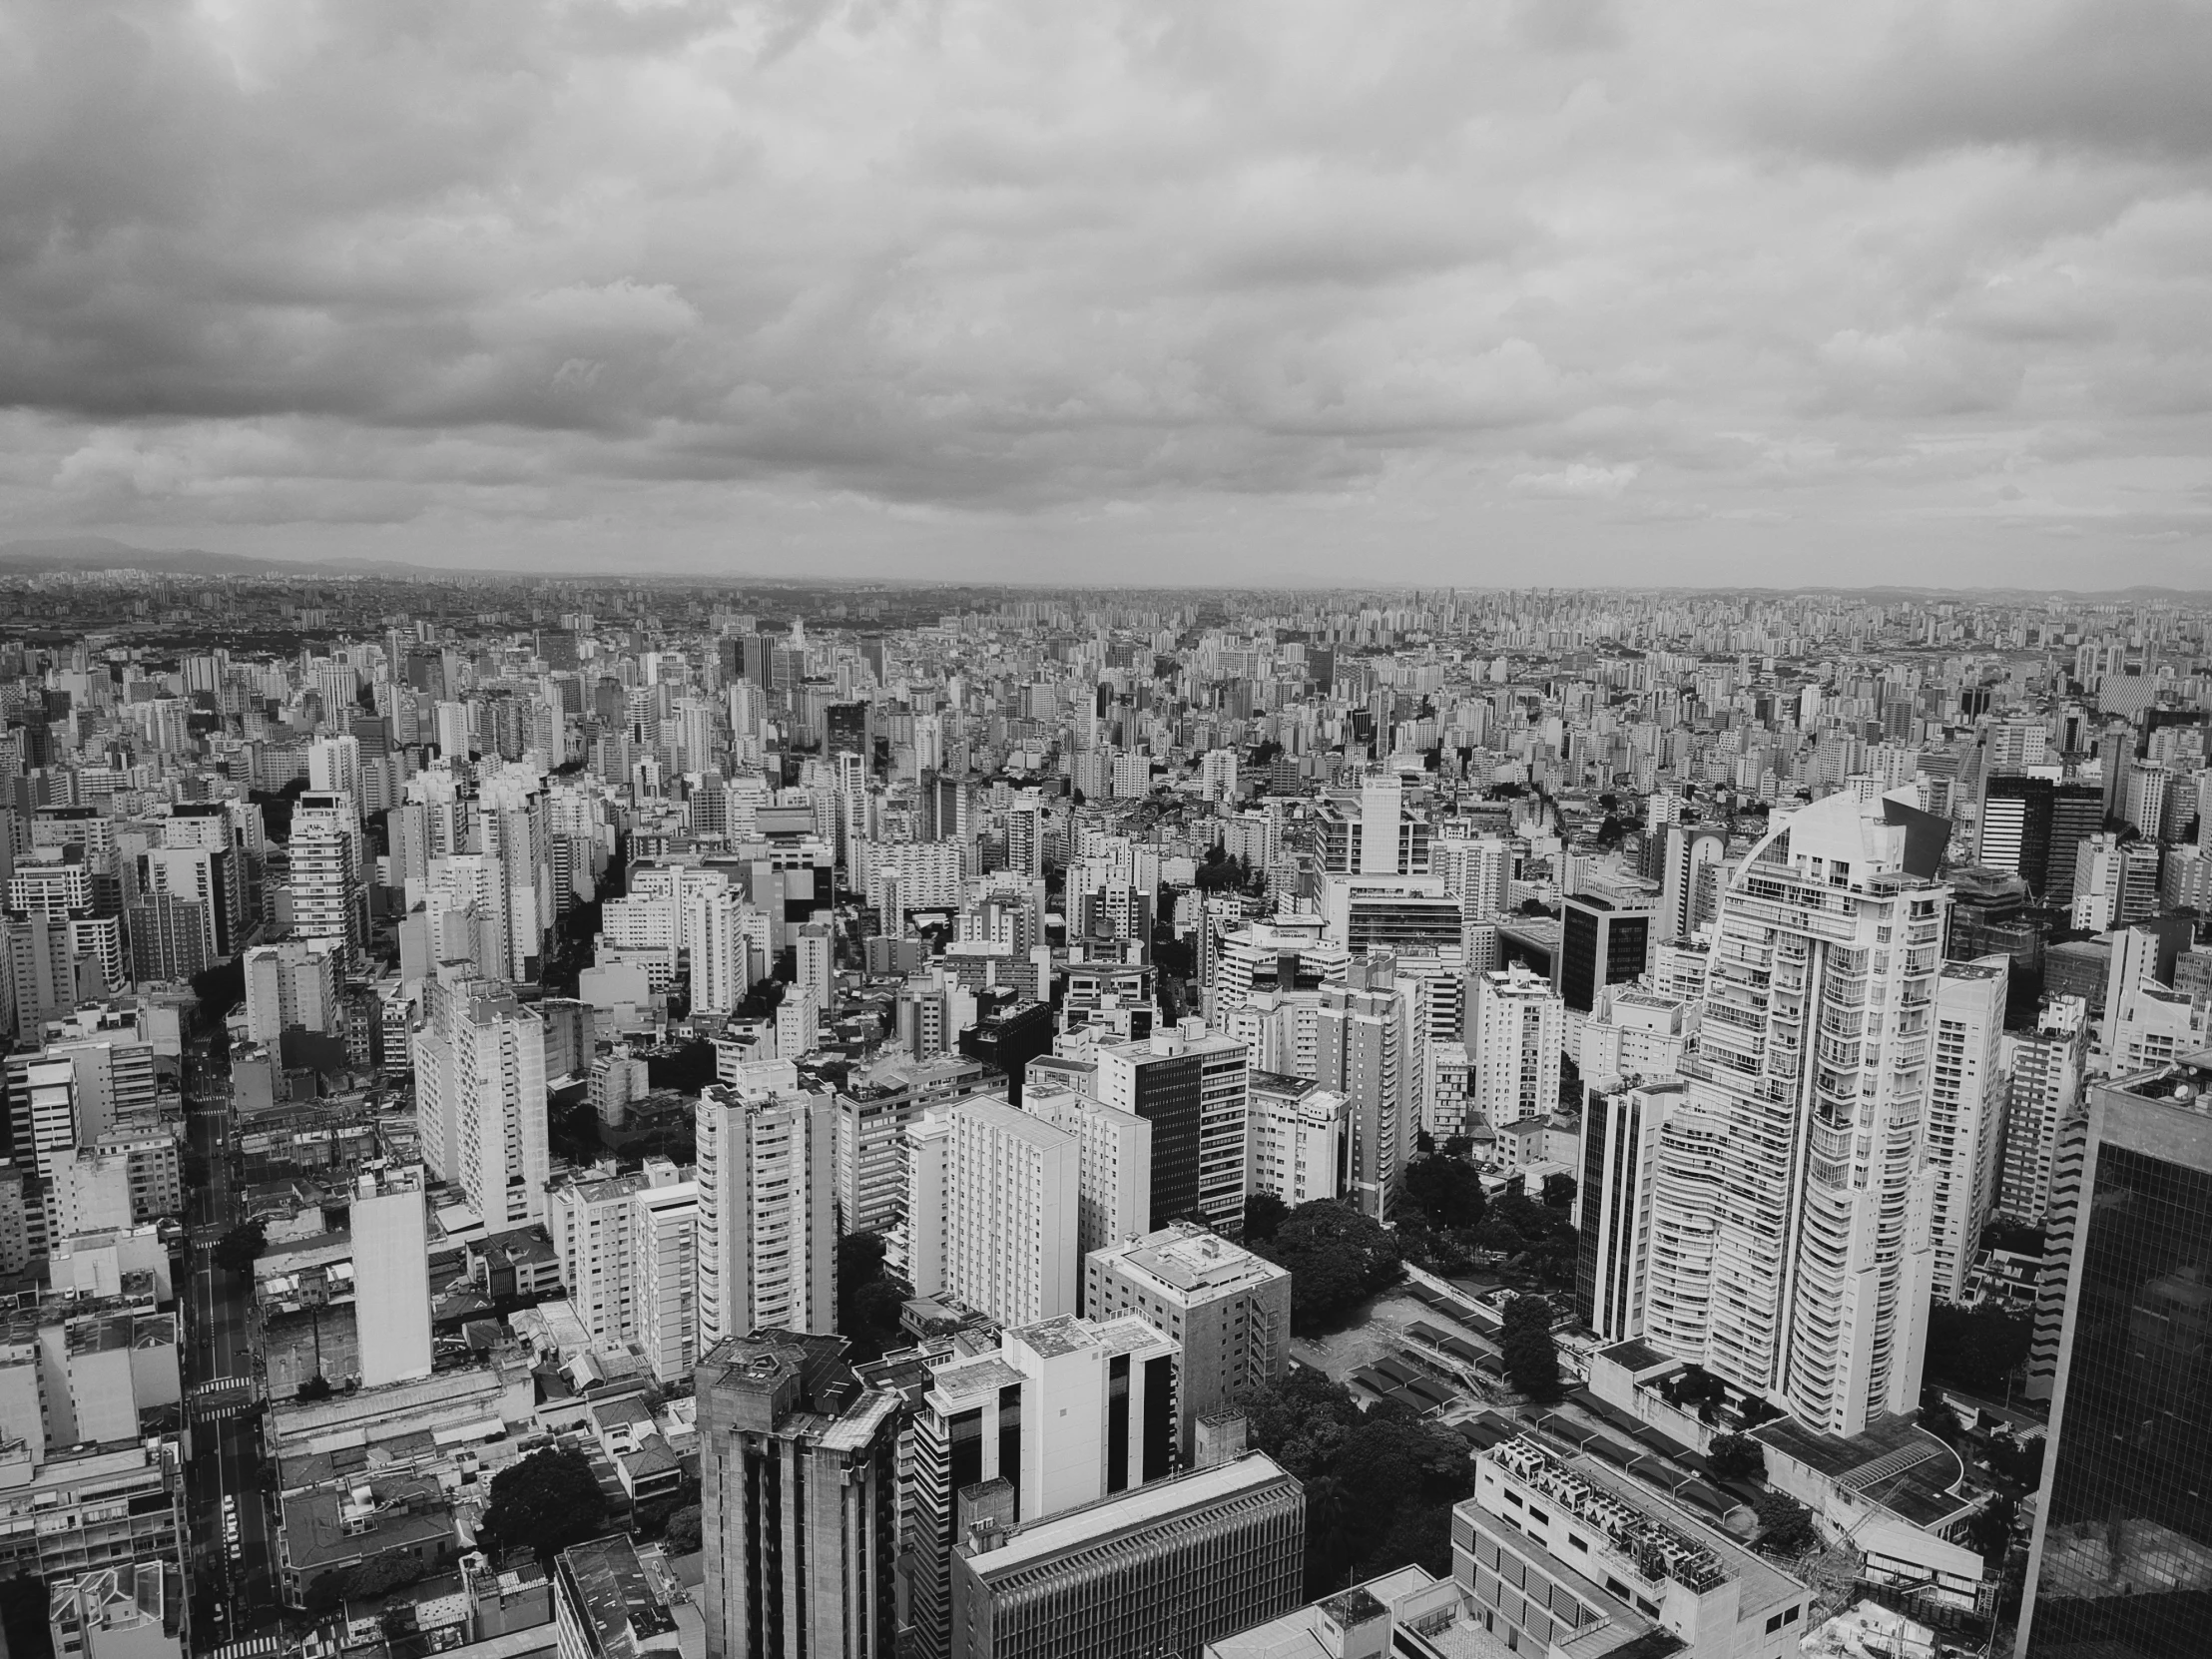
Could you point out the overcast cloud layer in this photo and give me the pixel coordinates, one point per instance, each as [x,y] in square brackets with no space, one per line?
[1468,292]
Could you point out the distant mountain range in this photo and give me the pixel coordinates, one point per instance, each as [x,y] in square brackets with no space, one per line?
[54,553]
[95,553]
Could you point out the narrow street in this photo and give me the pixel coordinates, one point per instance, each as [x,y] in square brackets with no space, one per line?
[233,1597]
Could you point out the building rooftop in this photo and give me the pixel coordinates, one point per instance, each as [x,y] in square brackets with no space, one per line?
[619,1603]
[1098,1525]
[2184,1081]
[1894,1462]
[1189,1262]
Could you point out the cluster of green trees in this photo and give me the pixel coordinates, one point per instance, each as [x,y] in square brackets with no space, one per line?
[1531,1356]
[870,1298]
[1338,1258]
[543,1503]
[1380,1484]
[1975,1349]
[1445,1219]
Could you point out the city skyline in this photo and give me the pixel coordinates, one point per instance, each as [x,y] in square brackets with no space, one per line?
[1429,293]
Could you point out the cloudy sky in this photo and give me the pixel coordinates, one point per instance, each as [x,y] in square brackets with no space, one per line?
[1473,291]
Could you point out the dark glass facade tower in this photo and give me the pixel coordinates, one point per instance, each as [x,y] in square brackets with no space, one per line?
[2122,1564]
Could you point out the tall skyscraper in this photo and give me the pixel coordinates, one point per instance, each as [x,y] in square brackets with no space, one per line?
[2043,1070]
[1614,1195]
[1797,1165]
[330,897]
[1966,1113]
[1370,1048]
[2121,1557]
[766,1248]
[799,1499]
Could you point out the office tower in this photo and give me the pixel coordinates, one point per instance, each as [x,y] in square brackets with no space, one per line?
[992,1207]
[42,1109]
[1966,1114]
[1600,943]
[1193,1087]
[2043,1068]
[2149,799]
[2015,831]
[2121,1555]
[1301,1139]
[1228,1310]
[1690,849]
[664,1231]
[1060,1414]
[1370,1048]
[1560,1557]
[1519,1024]
[1378,837]
[1800,1183]
[1636,1033]
[1160,1570]
[767,1212]
[291,985]
[2076,813]
[614,1601]
[799,1489]
[330,898]
[1616,1174]
[391,1278]
[1113,1199]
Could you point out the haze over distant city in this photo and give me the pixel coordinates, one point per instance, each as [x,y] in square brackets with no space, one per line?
[1449,293]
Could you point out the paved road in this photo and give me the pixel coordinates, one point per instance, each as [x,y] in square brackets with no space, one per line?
[224,1392]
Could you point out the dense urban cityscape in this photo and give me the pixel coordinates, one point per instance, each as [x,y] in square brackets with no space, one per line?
[609,1118]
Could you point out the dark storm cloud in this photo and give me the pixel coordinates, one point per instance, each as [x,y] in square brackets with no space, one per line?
[485,269]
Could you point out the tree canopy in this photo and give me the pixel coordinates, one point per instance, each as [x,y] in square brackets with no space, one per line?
[544,1503]
[869,1299]
[1336,1257]
[1532,1357]
[1974,1348]
[1380,1485]
[238,1249]
[1263,1217]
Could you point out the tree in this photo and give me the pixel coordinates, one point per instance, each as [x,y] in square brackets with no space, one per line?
[869,1301]
[683,1535]
[1458,1146]
[1336,1257]
[1263,1217]
[1737,1457]
[316,1388]
[238,1249]
[1974,1349]
[1447,1191]
[381,1574]
[544,1503]
[1560,1191]
[1532,1357]
[1785,1525]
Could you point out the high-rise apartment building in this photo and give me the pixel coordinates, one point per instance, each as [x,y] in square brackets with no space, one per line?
[1519,1024]
[1792,1251]
[330,896]
[799,1499]
[2043,1070]
[1372,1048]
[480,1099]
[1193,1087]
[2116,884]
[1226,1309]
[664,1275]
[1966,1113]
[1114,1165]
[1301,1139]
[2121,1556]
[1690,849]
[992,1206]
[292,984]
[767,1246]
